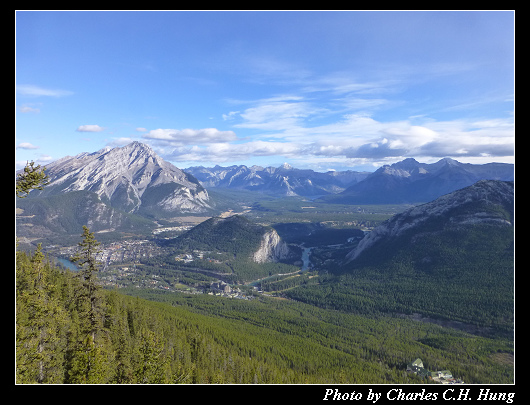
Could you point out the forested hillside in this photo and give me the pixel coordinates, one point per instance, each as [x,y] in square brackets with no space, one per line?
[235,235]
[204,339]
[452,258]
[232,244]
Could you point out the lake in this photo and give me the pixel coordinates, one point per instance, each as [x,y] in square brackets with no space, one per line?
[67,263]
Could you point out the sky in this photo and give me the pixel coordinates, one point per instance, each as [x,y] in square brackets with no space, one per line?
[323,90]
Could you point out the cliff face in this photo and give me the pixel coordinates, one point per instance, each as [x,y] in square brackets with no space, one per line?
[272,248]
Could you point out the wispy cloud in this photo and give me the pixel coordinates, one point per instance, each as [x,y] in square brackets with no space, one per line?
[27,145]
[179,137]
[37,91]
[26,108]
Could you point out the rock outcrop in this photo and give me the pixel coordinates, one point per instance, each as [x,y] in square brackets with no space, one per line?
[272,249]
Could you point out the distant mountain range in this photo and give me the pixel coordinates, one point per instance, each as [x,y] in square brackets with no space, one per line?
[126,188]
[279,181]
[409,181]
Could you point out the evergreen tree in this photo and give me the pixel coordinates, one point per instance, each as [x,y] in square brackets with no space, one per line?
[152,366]
[89,300]
[91,363]
[40,321]
[90,356]
[33,178]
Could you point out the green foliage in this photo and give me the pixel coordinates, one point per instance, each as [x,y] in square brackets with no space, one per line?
[62,215]
[89,299]
[235,235]
[204,339]
[33,178]
[464,275]
[40,319]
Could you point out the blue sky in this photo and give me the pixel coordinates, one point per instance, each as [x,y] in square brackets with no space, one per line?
[320,90]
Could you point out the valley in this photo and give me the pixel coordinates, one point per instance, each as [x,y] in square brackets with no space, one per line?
[126,262]
[260,276]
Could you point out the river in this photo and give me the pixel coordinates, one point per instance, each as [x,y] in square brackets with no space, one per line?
[306,252]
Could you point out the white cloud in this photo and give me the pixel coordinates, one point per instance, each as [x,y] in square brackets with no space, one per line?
[141,129]
[281,113]
[27,109]
[178,137]
[30,90]
[27,145]
[45,159]
[120,141]
[89,128]
[230,116]
[227,152]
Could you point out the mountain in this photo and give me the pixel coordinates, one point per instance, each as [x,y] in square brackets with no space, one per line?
[487,202]
[65,214]
[409,181]
[238,236]
[449,261]
[132,179]
[281,181]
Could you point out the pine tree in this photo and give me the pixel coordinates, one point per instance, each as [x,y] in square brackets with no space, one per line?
[90,357]
[40,321]
[90,363]
[153,363]
[33,178]
[89,300]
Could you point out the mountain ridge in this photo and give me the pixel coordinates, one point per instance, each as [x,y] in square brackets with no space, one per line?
[475,204]
[284,180]
[410,181]
[130,178]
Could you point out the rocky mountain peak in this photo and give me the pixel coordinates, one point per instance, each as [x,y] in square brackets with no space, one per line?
[129,177]
[285,166]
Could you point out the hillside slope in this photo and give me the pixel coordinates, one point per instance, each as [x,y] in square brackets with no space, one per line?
[239,250]
[238,236]
[452,259]
[486,202]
